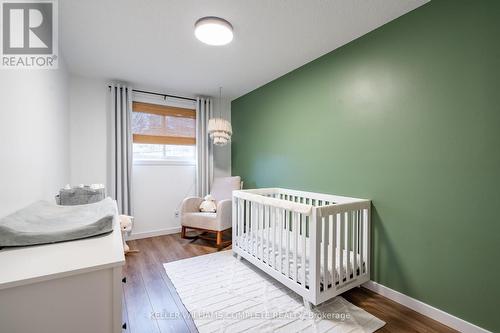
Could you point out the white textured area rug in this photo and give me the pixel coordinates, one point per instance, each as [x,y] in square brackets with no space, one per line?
[223,294]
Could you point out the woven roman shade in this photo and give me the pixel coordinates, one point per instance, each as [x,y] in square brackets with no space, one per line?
[161,124]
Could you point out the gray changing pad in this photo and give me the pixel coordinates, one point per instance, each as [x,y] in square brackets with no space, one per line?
[44,222]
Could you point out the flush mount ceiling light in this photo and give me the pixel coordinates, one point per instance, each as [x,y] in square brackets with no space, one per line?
[213,30]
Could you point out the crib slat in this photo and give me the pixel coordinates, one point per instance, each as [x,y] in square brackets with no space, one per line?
[273,229]
[333,249]
[358,242]
[238,221]
[253,228]
[262,225]
[256,222]
[287,239]
[247,226]
[304,252]
[250,235]
[241,214]
[280,235]
[325,253]
[252,243]
[366,213]
[258,230]
[355,244]
[242,222]
[294,240]
[295,226]
[268,229]
[244,229]
[234,218]
[361,244]
[250,228]
[341,248]
[348,246]
[269,235]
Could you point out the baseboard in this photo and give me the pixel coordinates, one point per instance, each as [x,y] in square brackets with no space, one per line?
[154,233]
[425,309]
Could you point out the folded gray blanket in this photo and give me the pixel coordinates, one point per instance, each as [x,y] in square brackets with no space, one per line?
[43,222]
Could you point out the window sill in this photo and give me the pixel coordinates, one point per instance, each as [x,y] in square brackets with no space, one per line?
[164,162]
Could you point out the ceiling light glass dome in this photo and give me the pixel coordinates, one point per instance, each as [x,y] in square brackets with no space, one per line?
[213,30]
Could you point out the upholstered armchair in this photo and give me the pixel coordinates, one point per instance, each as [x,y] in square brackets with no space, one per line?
[192,218]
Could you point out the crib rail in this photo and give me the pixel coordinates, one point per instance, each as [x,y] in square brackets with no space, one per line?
[316,244]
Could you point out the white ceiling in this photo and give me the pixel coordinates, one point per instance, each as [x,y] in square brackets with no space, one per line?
[151,42]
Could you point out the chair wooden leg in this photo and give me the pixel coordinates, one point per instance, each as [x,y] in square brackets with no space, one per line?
[183,232]
[219,238]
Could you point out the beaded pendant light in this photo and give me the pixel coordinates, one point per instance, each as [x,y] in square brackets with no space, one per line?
[219,129]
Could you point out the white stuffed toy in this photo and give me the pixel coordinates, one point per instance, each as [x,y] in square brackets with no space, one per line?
[126,226]
[208,205]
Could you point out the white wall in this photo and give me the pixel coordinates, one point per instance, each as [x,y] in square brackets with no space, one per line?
[157,189]
[34,136]
[88,124]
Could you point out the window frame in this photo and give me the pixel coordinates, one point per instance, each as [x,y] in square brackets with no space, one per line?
[173,162]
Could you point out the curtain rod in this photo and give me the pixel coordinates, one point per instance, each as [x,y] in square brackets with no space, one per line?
[164,95]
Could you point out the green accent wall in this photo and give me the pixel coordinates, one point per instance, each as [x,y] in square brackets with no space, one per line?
[409,117]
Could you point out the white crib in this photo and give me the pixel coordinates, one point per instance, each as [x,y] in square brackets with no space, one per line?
[316,244]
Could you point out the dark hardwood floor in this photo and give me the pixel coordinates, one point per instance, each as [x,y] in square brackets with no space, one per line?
[150,301]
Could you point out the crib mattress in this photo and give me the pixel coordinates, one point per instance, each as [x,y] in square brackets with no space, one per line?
[348,267]
[43,222]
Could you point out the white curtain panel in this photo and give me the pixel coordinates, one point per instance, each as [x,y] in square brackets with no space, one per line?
[120,150]
[204,147]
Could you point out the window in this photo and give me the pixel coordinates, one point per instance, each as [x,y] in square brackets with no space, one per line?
[163,133]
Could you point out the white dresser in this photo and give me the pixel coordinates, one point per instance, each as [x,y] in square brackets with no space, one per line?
[70,287]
